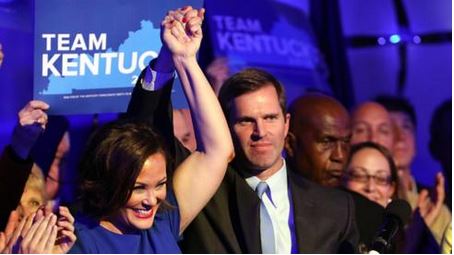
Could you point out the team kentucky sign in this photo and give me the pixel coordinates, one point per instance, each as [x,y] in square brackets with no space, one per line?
[89,54]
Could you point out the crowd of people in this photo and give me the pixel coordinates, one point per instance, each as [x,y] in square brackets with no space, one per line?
[237,172]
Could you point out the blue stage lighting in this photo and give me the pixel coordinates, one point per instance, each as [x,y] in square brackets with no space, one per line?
[395,38]
[416,39]
[381,40]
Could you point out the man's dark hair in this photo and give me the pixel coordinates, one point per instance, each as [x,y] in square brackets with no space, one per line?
[246,81]
[440,131]
[44,149]
[442,113]
[111,163]
[398,104]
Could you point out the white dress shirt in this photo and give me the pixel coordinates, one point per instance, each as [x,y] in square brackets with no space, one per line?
[278,208]
[153,80]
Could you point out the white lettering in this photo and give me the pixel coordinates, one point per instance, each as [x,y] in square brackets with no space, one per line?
[85,62]
[49,65]
[108,56]
[62,42]
[99,43]
[66,43]
[67,63]
[73,64]
[79,43]
[48,38]
[121,63]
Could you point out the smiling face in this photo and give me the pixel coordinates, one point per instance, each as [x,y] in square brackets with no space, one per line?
[147,195]
[370,175]
[259,128]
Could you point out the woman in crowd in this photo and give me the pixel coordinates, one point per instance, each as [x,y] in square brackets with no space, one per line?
[129,204]
[22,188]
[371,171]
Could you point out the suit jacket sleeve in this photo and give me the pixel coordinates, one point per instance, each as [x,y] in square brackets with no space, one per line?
[351,237]
[155,108]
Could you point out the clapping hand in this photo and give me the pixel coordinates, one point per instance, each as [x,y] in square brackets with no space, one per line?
[40,232]
[430,208]
[65,236]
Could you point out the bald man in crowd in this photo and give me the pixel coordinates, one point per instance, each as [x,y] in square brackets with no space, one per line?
[317,146]
[319,137]
[371,122]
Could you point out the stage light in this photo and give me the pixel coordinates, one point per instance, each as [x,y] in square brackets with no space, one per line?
[381,40]
[394,39]
[416,39]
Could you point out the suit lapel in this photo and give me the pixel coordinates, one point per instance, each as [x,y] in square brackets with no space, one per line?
[303,206]
[248,205]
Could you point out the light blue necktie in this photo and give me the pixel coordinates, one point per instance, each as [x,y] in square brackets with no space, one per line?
[266,226]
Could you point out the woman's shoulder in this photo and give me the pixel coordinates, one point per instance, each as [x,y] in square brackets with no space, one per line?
[169,215]
[84,223]
[88,232]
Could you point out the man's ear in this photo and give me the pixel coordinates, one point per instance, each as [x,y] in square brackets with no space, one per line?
[287,123]
[290,144]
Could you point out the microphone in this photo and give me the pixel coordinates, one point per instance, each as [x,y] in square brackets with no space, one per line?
[397,214]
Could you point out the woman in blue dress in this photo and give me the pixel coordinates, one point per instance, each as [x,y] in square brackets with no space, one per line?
[125,202]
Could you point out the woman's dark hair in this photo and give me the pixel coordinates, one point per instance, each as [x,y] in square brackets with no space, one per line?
[44,149]
[111,163]
[385,152]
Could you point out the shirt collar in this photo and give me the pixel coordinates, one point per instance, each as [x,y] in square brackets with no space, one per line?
[277,182]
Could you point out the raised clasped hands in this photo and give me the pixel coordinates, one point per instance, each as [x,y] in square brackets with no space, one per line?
[182,31]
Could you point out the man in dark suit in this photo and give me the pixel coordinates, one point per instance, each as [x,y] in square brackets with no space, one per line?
[293,215]
[317,147]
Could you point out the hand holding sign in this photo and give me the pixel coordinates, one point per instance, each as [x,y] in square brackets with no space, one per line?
[32,121]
